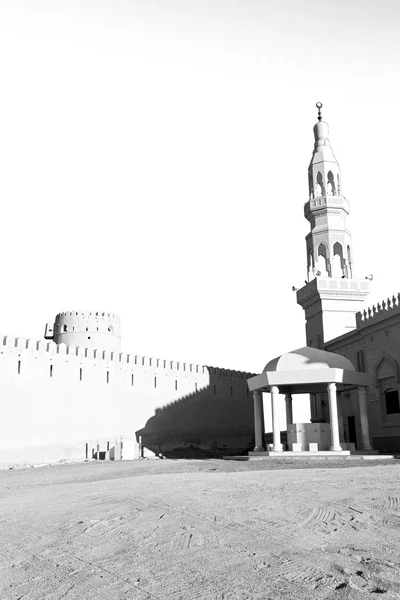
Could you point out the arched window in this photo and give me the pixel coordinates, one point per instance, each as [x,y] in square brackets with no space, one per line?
[310,185]
[337,262]
[310,263]
[386,367]
[349,262]
[323,260]
[320,184]
[331,185]
[360,361]
[65,328]
[392,403]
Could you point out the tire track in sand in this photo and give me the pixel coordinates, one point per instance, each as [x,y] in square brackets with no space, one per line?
[328,519]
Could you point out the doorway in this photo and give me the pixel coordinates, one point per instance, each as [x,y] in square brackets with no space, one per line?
[352,430]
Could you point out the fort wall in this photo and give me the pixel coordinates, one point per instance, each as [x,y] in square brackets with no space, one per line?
[55,397]
[92,329]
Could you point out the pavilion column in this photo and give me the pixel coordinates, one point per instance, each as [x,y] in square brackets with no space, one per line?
[362,401]
[258,421]
[289,410]
[276,430]
[340,399]
[333,413]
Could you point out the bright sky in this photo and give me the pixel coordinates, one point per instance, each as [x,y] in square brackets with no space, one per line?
[153,163]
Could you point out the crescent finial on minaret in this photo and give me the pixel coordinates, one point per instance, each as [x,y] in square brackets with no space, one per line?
[319,106]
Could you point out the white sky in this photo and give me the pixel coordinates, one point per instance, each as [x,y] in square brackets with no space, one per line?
[153,163]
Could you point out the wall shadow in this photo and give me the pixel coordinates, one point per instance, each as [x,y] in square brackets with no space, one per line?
[215,421]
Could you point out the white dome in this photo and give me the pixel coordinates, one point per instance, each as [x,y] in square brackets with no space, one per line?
[321,131]
[308,358]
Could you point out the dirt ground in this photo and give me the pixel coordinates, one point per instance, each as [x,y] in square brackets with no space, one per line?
[204,530]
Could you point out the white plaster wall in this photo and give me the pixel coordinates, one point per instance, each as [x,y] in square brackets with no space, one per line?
[89,329]
[57,414]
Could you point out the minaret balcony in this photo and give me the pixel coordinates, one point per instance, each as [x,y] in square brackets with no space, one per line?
[323,202]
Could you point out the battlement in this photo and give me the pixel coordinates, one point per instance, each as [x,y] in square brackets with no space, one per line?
[378,313]
[40,347]
[43,346]
[88,314]
[229,373]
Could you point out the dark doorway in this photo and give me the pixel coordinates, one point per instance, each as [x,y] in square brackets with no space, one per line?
[352,430]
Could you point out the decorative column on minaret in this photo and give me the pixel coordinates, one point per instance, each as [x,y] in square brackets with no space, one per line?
[333,295]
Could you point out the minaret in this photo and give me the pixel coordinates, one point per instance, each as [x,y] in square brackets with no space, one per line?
[333,295]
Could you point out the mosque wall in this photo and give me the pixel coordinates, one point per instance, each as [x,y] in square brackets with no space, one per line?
[374,347]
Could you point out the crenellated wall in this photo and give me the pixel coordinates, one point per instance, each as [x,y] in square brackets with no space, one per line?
[93,329]
[380,312]
[55,397]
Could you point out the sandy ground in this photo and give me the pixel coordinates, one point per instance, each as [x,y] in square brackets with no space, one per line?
[200,530]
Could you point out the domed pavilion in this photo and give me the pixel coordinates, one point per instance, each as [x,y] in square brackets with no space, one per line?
[307,370]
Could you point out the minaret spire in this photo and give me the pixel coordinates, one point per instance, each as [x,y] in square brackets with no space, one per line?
[329,249]
[319,105]
[332,295]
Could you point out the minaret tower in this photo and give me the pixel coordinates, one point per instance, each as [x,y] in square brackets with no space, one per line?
[333,295]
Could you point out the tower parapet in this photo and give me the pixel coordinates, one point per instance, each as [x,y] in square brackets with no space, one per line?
[90,329]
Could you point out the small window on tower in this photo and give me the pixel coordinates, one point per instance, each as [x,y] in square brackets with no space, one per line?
[65,328]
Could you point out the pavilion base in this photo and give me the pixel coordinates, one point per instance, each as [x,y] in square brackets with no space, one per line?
[307,453]
[323,455]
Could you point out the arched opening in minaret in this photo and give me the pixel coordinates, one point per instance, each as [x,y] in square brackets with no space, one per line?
[310,185]
[331,188]
[310,264]
[337,261]
[319,185]
[323,260]
[350,262]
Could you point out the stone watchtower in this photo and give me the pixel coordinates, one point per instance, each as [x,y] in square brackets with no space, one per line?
[86,328]
[333,295]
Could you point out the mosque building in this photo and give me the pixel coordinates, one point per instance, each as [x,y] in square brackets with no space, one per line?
[333,304]
[368,340]
[75,395]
